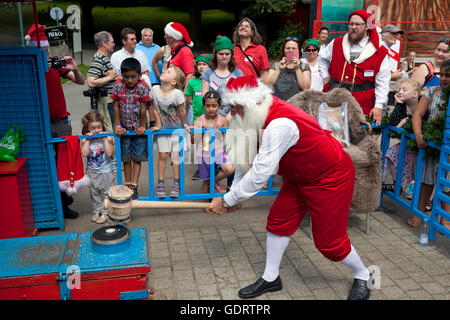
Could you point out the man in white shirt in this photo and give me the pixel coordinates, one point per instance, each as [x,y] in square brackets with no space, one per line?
[318,177]
[389,37]
[358,63]
[128,50]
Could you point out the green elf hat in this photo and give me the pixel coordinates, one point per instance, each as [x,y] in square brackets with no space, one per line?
[311,42]
[204,57]
[223,42]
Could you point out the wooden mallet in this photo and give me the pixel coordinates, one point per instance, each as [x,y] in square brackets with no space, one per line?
[119,203]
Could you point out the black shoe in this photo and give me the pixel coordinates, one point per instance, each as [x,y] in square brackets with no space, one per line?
[196,175]
[360,290]
[69,213]
[259,287]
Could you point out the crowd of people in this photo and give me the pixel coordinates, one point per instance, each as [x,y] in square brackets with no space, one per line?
[151,87]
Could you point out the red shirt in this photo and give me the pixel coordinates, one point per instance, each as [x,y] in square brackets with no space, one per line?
[183,60]
[257,53]
[55,94]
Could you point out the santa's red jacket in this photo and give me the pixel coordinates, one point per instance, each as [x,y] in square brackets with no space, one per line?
[360,77]
[318,177]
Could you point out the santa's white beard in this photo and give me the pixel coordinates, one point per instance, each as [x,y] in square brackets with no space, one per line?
[244,132]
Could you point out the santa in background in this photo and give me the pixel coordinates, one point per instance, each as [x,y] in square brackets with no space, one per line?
[358,63]
[318,177]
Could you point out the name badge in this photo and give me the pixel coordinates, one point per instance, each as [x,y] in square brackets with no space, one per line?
[368,73]
[214,85]
[198,93]
[249,57]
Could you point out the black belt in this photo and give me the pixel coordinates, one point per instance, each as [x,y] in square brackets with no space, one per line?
[350,86]
[59,120]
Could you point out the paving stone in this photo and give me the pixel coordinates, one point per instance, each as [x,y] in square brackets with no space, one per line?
[161,272]
[407,284]
[394,293]
[207,290]
[187,295]
[434,288]
[419,295]
[325,294]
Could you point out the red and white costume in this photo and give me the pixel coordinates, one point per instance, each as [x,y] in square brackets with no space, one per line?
[318,177]
[370,70]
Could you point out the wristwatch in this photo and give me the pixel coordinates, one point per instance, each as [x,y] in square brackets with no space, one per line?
[224,203]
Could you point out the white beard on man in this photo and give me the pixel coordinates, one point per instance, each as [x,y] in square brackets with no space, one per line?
[243,137]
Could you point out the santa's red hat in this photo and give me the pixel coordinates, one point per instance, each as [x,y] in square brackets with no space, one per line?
[32,37]
[178,32]
[362,13]
[373,34]
[244,91]
[70,171]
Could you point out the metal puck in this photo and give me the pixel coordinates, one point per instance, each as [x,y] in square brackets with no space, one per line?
[110,235]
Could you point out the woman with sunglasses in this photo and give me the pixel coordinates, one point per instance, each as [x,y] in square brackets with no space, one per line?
[311,47]
[290,75]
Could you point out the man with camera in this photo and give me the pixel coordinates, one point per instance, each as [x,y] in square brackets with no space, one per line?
[59,116]
[101,77]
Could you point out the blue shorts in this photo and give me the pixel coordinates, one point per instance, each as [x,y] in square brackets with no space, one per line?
[134,148]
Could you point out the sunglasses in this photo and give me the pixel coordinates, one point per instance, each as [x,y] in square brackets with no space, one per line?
[311,50]
[292,38]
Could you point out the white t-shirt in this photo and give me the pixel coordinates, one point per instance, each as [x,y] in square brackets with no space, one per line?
[168,106]
[316,78]
[118,56]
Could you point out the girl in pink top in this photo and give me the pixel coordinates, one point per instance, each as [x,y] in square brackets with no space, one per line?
[211,119]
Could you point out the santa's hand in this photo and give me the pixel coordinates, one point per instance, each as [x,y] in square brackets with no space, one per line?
[377,115]
[216,206]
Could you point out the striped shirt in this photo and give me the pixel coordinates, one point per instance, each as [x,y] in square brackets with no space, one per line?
[99,67]
[130,102]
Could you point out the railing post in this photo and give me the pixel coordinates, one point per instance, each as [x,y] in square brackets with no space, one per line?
[439,195]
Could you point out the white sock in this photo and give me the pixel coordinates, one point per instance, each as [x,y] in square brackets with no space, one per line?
[275,246]
[353,261]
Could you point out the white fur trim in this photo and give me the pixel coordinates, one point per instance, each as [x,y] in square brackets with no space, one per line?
[173,33]
[246,96]
[367,52]
[33,43]
[78,185]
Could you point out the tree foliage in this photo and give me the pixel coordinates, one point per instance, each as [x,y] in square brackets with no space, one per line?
[266,7]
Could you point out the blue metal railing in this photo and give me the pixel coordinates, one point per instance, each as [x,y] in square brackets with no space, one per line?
[441,179]
[181,132]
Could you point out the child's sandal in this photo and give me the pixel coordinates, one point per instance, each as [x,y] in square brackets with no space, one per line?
[388,187]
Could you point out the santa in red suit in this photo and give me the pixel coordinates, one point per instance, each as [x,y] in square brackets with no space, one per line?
[318,177]
[358,63]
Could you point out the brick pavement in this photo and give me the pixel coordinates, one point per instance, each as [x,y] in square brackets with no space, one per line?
[215,262]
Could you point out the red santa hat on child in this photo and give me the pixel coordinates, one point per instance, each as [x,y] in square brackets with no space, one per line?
[245,91]
[372,32]
[178,32]
[70,171]
[32,36]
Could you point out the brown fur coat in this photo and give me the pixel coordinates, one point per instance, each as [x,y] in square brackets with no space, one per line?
[365,153]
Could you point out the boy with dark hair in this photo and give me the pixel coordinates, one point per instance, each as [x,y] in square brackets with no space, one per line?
[130,96]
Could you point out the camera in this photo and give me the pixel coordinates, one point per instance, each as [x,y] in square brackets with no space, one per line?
[57,63]
[93,93]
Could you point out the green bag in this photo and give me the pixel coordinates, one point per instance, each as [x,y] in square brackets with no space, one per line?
[9,144]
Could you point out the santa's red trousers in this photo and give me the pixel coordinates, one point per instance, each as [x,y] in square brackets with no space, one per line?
[328,204]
